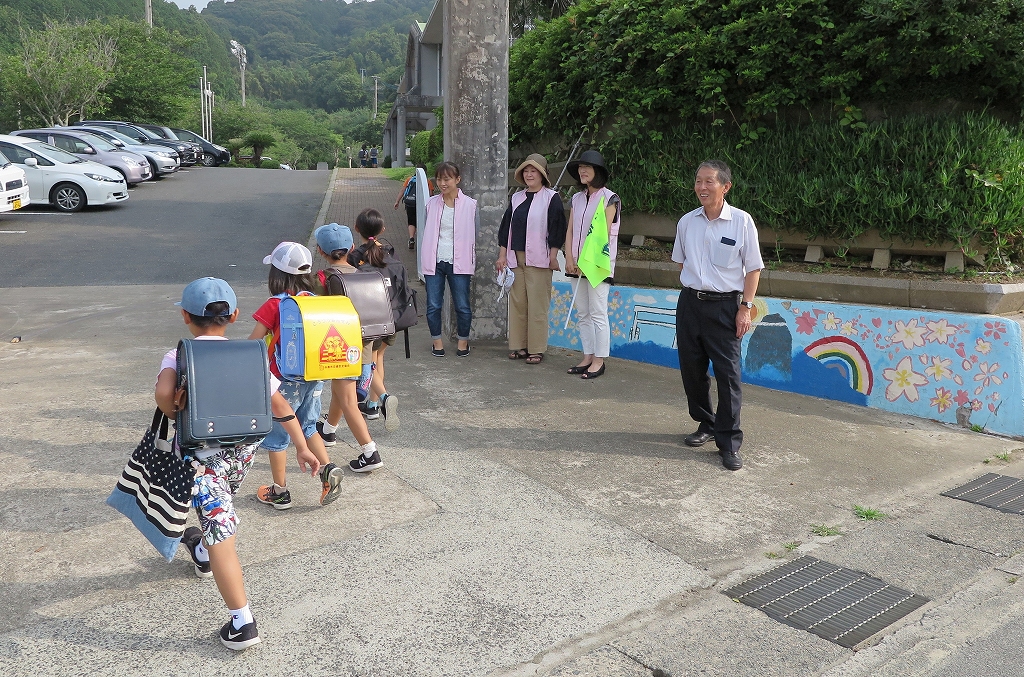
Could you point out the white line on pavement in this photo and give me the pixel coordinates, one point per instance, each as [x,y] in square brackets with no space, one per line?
[14,232]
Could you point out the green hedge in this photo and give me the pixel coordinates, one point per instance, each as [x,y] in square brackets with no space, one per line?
[638,63]
[419,148]
[950,178]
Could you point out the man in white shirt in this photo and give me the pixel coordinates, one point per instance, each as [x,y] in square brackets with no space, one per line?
[720,264]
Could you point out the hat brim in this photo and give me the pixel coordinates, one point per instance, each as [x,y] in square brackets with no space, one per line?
[269,258]
[531,163]
[574,170]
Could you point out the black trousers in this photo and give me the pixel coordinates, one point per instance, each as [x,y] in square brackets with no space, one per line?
[706,333]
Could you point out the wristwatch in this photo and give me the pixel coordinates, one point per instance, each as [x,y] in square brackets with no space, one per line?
[748,304]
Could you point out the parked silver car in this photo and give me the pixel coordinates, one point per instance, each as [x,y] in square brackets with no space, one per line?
[132,166]
[162,160]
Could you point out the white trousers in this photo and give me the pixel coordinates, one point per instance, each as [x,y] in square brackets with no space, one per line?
[592,317]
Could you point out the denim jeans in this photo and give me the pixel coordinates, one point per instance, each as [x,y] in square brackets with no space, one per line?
[459,284]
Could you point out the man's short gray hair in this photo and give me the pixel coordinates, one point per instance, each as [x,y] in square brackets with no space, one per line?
[721,170]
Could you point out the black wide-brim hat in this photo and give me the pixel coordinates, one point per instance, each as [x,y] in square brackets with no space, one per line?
[587,157]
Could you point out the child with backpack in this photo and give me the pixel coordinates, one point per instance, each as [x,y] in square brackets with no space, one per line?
[334,243]
[380,255]
[291,266]
[208,306]
[407,196]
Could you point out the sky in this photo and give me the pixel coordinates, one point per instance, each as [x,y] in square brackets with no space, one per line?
[184,4]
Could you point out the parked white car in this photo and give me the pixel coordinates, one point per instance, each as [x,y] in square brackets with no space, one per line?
[67,182]
[13,186]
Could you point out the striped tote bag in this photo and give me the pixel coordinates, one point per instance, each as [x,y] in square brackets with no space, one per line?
[155,489]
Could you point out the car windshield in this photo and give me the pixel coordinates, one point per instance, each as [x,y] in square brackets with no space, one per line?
[148,133]
[4,161]
[171,136]
[53,153]
[99,142]
[121,137]
[187,135]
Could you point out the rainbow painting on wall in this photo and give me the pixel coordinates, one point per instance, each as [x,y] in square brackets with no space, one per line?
[931,364]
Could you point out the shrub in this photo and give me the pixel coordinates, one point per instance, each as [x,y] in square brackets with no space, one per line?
[269,164]
[640,63]
[945,178]
[419,152]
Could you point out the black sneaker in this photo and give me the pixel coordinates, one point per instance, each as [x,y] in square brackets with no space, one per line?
[412,243]
[389,408]
[364,464]
[330,439]
[266,494]
[193,536]
[239,639]
[370,413]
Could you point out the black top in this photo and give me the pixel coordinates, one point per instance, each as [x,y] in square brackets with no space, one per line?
[516,221]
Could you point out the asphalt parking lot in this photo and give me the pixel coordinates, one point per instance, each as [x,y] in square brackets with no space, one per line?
[199,221]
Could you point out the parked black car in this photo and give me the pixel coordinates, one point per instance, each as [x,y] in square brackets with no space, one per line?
[213,155]
[168,134]
[186,153]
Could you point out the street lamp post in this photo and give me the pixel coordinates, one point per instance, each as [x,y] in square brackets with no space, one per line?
[239,51]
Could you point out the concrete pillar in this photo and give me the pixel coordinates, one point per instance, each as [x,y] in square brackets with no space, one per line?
[400,137]
[387,146]
[475,59]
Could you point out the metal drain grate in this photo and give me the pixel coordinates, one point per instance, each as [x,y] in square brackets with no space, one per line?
[841,605]
[1001,492]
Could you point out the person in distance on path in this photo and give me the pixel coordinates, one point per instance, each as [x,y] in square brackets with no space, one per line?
[720,264]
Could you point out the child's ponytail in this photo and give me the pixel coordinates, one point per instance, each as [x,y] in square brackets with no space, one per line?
[370,224]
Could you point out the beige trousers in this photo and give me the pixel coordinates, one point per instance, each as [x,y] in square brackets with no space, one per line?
[529,301]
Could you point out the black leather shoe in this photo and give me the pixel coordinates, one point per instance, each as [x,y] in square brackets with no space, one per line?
[731,459]
[697,439]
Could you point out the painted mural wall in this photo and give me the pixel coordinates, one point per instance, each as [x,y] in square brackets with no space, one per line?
[950,367]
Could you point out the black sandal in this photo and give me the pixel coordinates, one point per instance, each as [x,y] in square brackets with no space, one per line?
[535,358]
[520,354]
[576,371]
[587,376]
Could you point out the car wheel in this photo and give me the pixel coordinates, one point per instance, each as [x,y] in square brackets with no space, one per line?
[67,197]
[155,174]
[208,160]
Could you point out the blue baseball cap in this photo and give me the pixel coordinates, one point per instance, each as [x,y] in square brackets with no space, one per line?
[198,294]
[333,237]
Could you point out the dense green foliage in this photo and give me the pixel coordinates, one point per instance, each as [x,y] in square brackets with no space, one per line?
[312,52]
[948,178]
[655,62]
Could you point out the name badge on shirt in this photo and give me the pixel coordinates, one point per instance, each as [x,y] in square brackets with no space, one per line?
[722,254]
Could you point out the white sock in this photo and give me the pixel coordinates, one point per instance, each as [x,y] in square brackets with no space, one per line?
[240,617]
[328,428]
[368,448]
[202,554]
[278,489]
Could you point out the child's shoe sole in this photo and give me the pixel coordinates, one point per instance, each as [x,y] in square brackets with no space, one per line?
[332,487]
[390,410]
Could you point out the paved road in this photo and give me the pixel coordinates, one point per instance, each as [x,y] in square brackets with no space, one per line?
[197,222]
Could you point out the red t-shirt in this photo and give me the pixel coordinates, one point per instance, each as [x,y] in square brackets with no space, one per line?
[269,315]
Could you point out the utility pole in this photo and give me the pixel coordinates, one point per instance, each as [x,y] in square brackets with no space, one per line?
[206,106]
[239,51]
[375,79]
[149,13]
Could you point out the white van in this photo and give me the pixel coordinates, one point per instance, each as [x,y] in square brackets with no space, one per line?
[13,186]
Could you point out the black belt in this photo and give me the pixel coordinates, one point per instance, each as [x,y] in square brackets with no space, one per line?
[713,296]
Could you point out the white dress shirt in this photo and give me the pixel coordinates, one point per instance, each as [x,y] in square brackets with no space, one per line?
[716,255]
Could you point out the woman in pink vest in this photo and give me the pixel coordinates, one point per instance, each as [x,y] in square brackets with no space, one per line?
[531,233]
[448,252]
[591,302]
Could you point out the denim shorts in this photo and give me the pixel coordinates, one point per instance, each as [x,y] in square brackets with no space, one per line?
[304,396]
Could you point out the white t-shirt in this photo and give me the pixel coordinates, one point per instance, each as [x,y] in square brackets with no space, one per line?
[446,236]
[716,255]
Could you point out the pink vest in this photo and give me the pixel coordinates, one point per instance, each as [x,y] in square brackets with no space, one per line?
[538,254]
[583,214]
[465,235]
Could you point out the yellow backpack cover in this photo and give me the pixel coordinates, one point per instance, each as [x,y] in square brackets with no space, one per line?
[321,338]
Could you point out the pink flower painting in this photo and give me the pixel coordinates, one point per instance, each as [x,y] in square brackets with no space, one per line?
[805,323]
[943,399]
[903,381]
[909,334]
[939,332]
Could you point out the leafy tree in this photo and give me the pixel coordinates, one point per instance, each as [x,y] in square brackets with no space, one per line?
[260,140]
[65,67]
[153,73]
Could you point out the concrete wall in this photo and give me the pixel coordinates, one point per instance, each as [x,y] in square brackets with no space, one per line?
[930,364]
